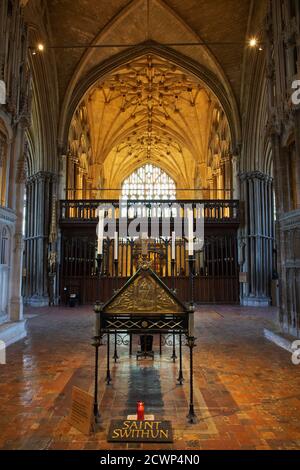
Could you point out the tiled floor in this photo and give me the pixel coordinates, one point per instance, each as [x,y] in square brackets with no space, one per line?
[247,390]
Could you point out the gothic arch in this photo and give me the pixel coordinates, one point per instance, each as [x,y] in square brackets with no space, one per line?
[183,62]
[147,38]
[43,131]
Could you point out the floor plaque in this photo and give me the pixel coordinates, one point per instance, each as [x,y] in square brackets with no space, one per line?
[81,410]
[140,431]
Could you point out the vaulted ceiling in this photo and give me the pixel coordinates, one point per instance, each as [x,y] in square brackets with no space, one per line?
[218,21]
[178,119]
[149,111]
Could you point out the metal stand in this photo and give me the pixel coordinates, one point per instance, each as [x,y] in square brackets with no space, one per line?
[116,357]
[108,376]
[192,418]
[96,343]
[160,344]
[191,279]
[180,376]
[130,344]
[174,357]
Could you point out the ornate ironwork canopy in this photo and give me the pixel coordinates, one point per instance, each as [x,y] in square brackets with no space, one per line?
[144,305]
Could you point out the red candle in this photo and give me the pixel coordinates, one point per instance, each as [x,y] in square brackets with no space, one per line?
[140,411]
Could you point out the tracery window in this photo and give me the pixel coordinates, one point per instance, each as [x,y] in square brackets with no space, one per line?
[149,183]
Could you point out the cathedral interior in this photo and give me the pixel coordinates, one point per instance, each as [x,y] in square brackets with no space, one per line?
[167,104]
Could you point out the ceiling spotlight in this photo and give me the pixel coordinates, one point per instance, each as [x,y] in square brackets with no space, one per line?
[41,47]
[253,42]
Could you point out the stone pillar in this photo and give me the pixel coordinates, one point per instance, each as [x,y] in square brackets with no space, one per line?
[17,198]
[227,175]
[62,182]
[38,214]
[235,177]
[257,238]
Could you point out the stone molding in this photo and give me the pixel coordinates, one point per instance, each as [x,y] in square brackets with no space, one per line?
[7,216]
[290,221]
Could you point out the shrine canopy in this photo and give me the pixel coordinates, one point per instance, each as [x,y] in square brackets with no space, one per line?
[144,305]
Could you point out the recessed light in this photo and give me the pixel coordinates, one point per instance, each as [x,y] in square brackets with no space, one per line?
[253,42]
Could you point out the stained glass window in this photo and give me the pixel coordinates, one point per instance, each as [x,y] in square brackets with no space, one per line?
[149,183]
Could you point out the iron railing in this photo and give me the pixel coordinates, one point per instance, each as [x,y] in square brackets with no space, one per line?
[213,211]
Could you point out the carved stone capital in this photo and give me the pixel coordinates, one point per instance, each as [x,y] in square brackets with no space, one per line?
[255,175]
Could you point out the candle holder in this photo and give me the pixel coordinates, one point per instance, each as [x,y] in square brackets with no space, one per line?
[98,310]
[191,277]
[140,408]
[99,264]
[116,271]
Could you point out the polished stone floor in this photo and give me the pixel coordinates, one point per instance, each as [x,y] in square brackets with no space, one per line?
[247,391]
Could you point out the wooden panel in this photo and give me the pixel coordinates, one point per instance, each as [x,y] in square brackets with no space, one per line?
[207,290]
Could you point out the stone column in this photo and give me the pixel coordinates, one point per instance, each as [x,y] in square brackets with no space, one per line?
[38,214]
[235,177]
[62,182]
[257,237]
[17,198]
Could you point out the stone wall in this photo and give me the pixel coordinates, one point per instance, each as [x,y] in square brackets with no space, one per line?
[283,65]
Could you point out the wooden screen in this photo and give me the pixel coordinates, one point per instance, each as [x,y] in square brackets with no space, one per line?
[216,267]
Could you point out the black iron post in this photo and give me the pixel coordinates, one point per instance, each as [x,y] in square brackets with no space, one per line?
[173,357]
[180,376]
[96,343]
[108,376]
[99,272]
[116,357]
[192,418]
[130,344]
[160,345]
